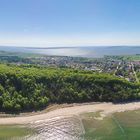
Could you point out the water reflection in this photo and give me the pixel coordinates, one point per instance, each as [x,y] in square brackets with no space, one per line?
[59,128]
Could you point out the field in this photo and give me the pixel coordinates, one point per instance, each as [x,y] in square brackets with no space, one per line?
[13,131]
[118,126]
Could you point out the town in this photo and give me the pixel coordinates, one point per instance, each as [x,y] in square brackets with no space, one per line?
[127,67]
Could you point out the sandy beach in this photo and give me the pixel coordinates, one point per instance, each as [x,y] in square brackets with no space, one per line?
[106,108]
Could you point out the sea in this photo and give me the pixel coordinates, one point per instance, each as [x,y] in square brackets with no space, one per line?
[81,51]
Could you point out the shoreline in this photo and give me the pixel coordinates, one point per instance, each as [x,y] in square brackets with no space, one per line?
[74,109]
[49,108]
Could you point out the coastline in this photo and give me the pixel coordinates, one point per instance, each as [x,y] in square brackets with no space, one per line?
[75,109]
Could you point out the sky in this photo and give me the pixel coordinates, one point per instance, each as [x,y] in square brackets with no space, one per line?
[52,23]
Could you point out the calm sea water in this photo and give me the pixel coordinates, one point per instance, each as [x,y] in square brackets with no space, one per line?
[58,128]
[94,52]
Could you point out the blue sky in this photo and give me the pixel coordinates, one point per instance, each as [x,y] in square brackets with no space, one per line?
[45,23]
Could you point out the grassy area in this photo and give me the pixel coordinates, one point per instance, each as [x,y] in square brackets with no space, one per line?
[13,131]
[131,57]
[20,54]
[119,126]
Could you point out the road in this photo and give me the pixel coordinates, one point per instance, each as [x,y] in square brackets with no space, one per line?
[117,68]
[137,80]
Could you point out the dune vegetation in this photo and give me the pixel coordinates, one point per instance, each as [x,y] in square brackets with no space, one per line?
[28,87]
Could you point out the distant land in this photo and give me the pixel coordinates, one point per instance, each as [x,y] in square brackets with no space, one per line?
[80,51]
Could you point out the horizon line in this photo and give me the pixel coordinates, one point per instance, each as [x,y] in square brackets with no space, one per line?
[79,46]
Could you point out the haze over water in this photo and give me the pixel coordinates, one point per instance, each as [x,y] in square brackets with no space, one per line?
[93,52]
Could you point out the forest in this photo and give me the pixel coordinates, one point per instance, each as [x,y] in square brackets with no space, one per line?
[28,87]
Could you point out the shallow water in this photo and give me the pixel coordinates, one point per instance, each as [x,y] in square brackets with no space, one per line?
[114,126]
[59,128]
